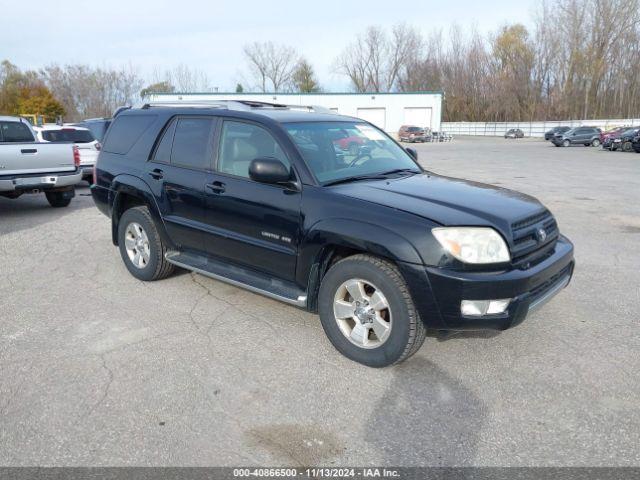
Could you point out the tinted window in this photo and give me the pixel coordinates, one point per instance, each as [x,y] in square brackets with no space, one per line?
[163,150]
[98,128]
[15,132]
[68,135]
[241,143]
[125,132]
[192,143]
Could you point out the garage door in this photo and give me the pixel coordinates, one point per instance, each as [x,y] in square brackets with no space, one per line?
[377,116]
[418,116]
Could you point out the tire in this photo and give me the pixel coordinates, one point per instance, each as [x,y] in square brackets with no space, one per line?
[566,143]
[406,332]
[57,199]
[156,266]
[595,142]
[626,147]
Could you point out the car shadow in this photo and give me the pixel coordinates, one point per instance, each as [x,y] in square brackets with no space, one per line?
[443,335]
[28,211]
[426,418]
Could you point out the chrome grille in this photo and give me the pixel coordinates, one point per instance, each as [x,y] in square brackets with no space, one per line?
[534,239]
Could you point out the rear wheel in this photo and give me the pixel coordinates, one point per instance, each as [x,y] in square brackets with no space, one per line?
[367,312]
[58,199]
[141,246]
[595,142]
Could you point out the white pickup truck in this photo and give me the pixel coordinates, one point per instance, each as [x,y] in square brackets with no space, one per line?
[27,166]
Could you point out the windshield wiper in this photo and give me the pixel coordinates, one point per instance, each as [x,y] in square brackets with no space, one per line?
[401,170]
[355,178]
[375,176]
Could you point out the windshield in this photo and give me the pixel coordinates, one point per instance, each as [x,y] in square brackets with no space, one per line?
[341,150]
[68,135]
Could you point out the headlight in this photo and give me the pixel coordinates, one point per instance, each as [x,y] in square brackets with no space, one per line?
[473,244]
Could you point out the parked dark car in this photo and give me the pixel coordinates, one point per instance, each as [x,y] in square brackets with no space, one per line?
[98,126]
[578,136]
[514,133]
[635,143]
[548,135]
[257,196]
[607,138]
[625,141]
[409,133]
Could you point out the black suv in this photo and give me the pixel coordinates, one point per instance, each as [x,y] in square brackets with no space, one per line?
[257,195]
[548,135]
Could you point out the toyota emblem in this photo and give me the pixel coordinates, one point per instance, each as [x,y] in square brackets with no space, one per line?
[542,234]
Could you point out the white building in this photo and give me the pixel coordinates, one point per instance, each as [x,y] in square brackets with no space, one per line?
[386,110]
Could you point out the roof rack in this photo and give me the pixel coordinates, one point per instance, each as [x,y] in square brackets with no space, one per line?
[243,105]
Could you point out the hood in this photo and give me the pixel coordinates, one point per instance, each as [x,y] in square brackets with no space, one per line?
[447,201]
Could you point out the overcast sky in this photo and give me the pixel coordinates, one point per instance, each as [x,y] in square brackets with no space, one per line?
[209,35]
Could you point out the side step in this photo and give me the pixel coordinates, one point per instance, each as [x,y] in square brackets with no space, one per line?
[257,282]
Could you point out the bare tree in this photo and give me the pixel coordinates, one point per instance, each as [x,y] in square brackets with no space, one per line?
[86,91]
[374,62]
[271,65]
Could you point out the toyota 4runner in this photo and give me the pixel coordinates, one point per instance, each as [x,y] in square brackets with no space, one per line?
[257,195]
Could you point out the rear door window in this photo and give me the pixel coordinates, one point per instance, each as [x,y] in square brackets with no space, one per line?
[15,132]
[193,143]
[163,150]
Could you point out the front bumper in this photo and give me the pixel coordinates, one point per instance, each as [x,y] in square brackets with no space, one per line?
[529,290]
[44,182]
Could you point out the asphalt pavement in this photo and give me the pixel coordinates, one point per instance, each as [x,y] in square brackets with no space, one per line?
[98,368]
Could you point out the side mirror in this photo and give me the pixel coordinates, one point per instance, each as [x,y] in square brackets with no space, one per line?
[268,170]
[413,152]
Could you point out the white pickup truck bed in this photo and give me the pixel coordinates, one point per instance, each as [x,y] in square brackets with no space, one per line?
[31,167]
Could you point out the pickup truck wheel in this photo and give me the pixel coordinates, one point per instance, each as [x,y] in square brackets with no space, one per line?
[57,199]
[141,246]
[367,312]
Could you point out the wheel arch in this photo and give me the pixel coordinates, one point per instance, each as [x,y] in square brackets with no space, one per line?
[331,240]
[130,191]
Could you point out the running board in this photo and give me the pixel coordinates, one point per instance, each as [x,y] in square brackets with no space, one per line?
[237,276]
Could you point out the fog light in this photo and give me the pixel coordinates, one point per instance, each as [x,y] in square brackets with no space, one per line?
[484,307]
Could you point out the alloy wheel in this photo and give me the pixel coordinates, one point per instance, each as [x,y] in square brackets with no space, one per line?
[136,243]
[362,313]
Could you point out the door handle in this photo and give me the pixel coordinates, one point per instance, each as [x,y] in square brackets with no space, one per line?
[216,187]
[28,150]
[156,173]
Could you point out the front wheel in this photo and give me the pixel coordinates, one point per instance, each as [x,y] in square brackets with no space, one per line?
[566,143]
[367,312]
[141,246]
[58,199]
[626,147]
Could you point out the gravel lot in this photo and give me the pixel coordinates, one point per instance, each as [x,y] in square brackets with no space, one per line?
[100,369]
